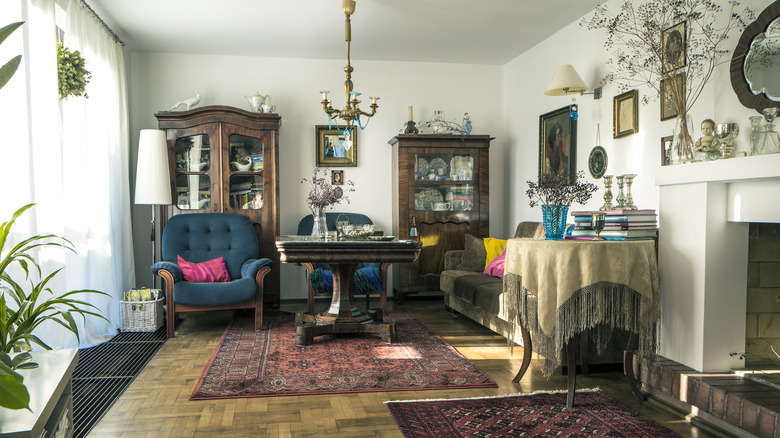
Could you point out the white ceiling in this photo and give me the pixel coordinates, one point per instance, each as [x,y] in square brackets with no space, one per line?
[452,31]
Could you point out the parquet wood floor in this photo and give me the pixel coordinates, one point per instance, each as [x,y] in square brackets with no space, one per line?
[156,404]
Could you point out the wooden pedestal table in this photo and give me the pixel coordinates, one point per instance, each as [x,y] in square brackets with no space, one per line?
[343,258]
[556,289]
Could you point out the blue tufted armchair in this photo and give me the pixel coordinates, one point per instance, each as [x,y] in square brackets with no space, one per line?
[369,277]
[198,237]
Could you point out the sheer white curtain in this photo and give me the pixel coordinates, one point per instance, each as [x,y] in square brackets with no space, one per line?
[72,159]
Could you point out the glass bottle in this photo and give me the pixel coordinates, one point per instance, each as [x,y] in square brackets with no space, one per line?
[413,229]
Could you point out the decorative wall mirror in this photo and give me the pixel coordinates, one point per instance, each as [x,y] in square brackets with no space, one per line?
[755,65]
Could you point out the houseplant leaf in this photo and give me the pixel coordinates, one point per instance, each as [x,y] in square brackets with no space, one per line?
[8,70]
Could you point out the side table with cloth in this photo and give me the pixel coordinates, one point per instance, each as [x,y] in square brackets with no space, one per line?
[582,285]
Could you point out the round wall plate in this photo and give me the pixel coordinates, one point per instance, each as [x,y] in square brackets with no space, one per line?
[597,162]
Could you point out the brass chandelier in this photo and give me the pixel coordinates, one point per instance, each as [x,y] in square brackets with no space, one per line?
[351,113]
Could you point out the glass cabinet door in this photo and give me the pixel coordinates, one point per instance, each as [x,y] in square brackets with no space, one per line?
[444,182]
[193,161]
[246,182]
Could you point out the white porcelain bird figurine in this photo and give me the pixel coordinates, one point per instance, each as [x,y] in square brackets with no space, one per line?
[189,103]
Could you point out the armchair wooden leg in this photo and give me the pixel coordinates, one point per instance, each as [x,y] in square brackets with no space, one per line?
[259,278]
[170,312]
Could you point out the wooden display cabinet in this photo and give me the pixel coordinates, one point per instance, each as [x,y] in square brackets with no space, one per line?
[441,182]
[226,160]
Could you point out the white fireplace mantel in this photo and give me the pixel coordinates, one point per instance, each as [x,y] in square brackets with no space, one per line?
[704,211]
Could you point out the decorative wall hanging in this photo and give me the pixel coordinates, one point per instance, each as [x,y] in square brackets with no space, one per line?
[335,149]
[626,114]
[558,142]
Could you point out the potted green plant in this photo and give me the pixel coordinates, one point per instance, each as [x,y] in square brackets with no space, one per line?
[32,303]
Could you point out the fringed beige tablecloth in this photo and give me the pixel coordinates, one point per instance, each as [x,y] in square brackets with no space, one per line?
[579,285]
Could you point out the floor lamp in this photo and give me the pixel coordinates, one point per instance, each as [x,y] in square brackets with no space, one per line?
[152,176]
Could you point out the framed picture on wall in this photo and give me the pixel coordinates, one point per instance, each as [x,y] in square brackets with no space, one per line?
[670,92]
[558,142]
[673,47]
[626,114]
[333,148]
[666,150]
[337,177]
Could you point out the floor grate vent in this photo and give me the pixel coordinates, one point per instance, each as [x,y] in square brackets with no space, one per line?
[105,371]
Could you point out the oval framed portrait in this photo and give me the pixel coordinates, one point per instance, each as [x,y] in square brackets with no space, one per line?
[597,162]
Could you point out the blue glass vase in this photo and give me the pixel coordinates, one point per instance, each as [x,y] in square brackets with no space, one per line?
[554,221]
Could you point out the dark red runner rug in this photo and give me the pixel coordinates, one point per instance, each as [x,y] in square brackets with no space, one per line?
[267,363]
[594,414]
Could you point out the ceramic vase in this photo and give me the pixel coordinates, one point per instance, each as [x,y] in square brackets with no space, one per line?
[554,221]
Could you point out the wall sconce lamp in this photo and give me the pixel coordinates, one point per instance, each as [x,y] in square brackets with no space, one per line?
[566,81]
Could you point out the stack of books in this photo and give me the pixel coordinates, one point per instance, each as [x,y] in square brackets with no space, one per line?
[618,225]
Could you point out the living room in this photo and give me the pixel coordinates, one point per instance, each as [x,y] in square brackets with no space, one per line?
[504,98]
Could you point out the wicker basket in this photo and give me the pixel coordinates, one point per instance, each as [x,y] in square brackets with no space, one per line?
[141,316]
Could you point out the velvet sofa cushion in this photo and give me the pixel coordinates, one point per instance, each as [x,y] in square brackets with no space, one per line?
[474,255]
[214,294]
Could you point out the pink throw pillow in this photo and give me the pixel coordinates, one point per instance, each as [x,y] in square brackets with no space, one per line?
[496,266]
[210,271]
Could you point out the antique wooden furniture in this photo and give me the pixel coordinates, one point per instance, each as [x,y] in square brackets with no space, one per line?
[226,160]
[441,185]
[197,238]
[344,256]
[366,274]
[560,288]
[51,398]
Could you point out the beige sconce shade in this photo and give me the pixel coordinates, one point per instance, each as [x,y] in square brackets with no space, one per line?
[565,81]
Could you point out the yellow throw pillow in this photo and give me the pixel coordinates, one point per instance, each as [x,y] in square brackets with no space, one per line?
[494,248]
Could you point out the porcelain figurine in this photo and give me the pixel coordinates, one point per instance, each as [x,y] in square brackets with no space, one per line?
[189,103]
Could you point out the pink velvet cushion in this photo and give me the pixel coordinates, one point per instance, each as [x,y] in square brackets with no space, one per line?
[210,271]
[496,266]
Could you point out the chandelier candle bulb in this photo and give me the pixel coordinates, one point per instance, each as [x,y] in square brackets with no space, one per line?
[410,114]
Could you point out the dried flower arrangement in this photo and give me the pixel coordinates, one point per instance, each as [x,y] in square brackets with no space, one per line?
[322,193]
[73,77]
[557,189]
[642,56]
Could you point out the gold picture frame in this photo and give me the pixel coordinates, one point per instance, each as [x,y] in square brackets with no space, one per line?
[673,47]
[332,148]
[558,142]
[668,110]
[626,114]
[337,177]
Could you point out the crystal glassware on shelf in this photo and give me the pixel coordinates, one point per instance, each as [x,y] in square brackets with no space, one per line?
[607,193]
[770,143]
[629,202]
[621,198]
[598,224]
[726,133]
[755,133]
[341,221]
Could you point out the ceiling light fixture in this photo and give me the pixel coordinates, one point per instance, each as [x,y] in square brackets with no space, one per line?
[351,113]
[566,81]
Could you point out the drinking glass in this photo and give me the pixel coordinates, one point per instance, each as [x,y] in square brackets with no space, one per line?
[341,221]
[598,224]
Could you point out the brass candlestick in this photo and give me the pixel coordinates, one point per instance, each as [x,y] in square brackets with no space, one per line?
[607,193]
[629,203]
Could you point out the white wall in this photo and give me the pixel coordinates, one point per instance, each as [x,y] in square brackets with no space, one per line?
[158,80]
[525,79]
[690,320]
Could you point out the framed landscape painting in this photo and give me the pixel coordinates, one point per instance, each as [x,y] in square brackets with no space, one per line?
[334,149]
[558,142]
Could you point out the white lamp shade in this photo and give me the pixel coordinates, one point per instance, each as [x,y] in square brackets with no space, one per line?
[565,81]
[152,176]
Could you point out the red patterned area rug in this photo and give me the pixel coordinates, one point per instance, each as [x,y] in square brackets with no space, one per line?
[594,414]
[267,363]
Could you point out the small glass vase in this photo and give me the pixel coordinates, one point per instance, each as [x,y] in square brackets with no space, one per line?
[554,221]
[319,227]
[682,149]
